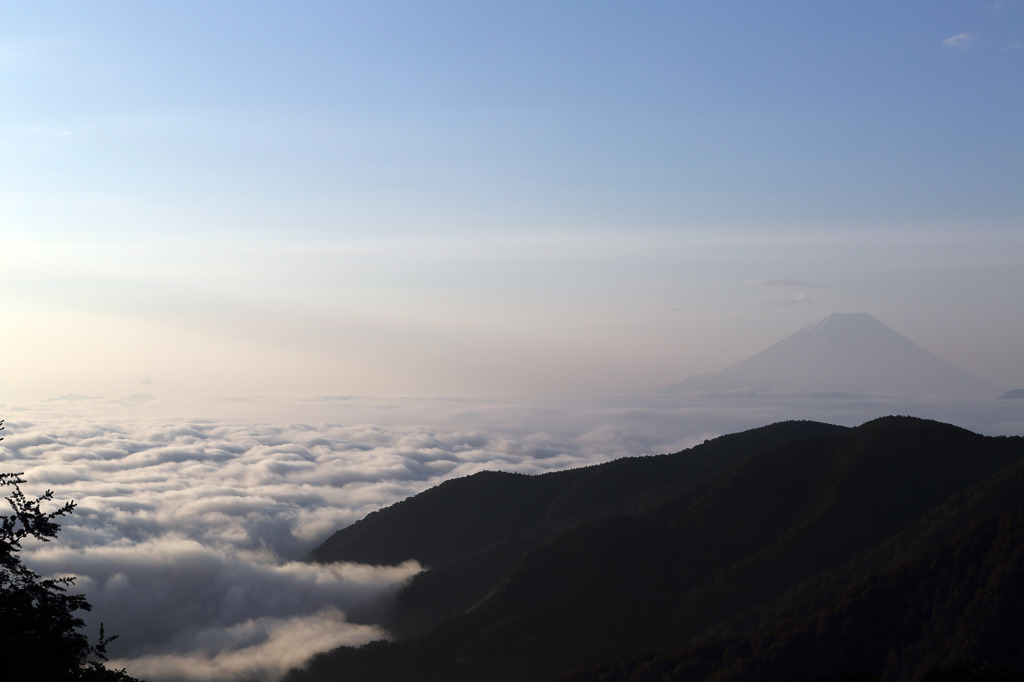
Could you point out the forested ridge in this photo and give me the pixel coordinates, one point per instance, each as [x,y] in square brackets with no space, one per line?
[892,549]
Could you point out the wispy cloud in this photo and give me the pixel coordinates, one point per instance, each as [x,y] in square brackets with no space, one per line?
[282,643]
[961,41]
[46,132]
[797,299]
[26,54]
[1000,5]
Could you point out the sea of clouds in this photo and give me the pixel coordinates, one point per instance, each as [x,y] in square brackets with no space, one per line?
[189,533]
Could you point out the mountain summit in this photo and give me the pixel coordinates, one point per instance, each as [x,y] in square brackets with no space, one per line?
[844,352]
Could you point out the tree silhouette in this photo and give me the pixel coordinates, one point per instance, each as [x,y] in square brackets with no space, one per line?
[40,634]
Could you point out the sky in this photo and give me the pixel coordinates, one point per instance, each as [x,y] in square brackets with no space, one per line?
[492,199]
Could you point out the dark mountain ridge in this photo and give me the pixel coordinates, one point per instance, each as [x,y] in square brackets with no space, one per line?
[531,575]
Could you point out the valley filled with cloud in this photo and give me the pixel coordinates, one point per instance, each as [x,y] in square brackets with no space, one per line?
[189,534]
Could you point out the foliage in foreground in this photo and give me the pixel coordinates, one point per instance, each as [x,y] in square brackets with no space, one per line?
[40,635]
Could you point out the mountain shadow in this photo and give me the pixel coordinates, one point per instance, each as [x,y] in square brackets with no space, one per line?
[749,551]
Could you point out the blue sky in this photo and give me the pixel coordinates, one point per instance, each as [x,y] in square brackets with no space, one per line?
[489,198]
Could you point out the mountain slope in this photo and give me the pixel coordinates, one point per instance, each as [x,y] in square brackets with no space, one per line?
[469,530]
[653,552]
[959,600]
[844,352]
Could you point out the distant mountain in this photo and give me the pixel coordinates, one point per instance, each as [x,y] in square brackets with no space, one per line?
[852,353]
[1015,394]
[798,548]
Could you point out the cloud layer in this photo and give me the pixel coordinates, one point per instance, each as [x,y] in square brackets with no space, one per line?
[189,533]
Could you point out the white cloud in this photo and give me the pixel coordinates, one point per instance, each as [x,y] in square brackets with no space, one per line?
[175,599]
[188,533]
[961,41]
[229,654]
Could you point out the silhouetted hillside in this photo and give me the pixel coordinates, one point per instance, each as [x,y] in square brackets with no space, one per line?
[961,601]
[800,533]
